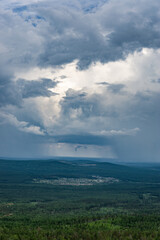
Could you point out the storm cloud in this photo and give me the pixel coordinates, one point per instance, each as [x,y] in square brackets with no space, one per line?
[78,77]
[108,34]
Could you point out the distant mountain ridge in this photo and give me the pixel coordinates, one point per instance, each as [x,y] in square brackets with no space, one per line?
[24,171]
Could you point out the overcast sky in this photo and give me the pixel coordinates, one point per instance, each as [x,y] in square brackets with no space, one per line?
[80,79]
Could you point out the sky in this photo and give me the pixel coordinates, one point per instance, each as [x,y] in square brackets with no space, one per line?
[80,79]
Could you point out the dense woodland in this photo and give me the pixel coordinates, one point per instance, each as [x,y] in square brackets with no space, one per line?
[127,209]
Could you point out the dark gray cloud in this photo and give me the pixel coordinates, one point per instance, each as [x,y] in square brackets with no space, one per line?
[13,92]
[79,147]
[108,34]
[116,88]
[66,31]
[85,105]
[85,139]
[39,88]
[103,83]
[112,87]
[9,94]
[156,81]
[63,31]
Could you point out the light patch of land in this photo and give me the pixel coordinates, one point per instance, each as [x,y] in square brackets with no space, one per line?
[87,165]
[78,181]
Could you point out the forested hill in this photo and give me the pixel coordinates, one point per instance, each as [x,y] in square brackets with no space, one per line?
[12,171]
